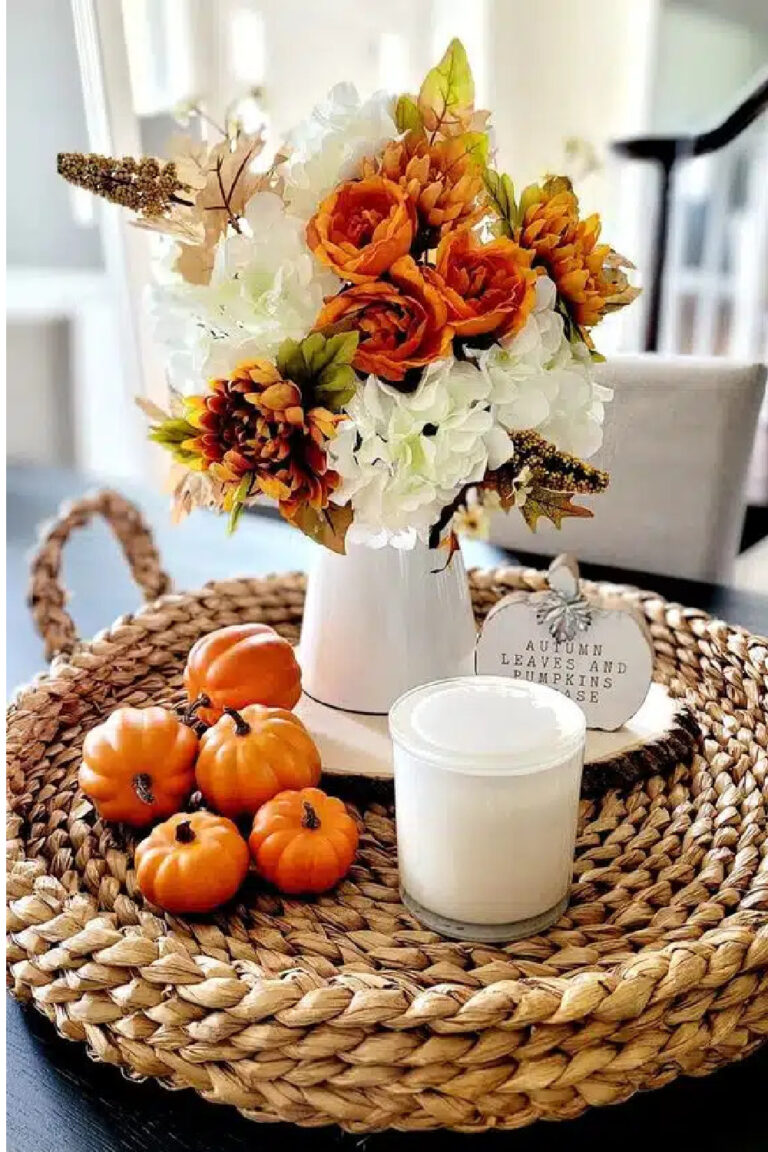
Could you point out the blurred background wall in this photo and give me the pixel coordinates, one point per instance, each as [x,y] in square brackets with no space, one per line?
[45,106]
[563,79]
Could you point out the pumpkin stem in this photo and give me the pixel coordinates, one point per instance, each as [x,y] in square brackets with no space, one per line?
[184,833]
[242,727]
[142,786]
[202,701]
[310,819]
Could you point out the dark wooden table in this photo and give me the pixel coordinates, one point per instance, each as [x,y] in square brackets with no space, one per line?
[60,1101]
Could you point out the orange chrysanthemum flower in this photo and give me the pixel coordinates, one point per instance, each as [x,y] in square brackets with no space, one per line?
[489,288]
[442,179]
[255,423]
[588,275]
[362,228]
[401,322]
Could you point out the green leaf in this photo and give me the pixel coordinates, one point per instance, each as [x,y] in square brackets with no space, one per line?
[448,89]
[313,352]
[530,196]
[477,146]
[172,431]
[551,505]
[341,348]
[322,367]
[290,362]
[326,526]
[336,382]
[571,329]
[502,194]
[172,434]
[238,503]
[407,115]
[336,386]
[573,332]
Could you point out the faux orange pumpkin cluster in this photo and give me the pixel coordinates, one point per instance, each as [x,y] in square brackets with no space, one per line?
[255,759]
[416,275]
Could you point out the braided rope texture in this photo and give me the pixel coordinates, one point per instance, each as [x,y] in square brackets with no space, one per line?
[344,1009]
[47,597]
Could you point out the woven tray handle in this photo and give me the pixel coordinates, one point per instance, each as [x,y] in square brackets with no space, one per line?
[47,595]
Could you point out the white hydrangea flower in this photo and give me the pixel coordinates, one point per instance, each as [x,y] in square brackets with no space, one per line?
[403,457]
[265,287]
[540,380]
[329,146]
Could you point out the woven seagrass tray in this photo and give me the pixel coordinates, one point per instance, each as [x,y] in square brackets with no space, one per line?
[344,1009]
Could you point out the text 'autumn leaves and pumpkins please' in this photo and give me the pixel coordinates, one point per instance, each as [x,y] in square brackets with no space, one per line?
[375,331]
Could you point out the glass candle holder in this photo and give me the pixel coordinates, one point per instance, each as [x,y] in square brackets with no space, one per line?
[487,778]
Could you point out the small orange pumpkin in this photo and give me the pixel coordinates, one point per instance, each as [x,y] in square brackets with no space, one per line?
[191,863]
[249,756]
[239,665]
[303,841]
[138,765]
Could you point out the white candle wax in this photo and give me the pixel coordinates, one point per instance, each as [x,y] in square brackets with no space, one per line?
[487,776]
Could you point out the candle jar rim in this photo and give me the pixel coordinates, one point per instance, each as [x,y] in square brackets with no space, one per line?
[559,744]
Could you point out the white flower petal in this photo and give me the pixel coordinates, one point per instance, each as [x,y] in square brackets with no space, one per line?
[330,146]
[540,380]
[429,444]
[500,447]
[265,288]
[546,294]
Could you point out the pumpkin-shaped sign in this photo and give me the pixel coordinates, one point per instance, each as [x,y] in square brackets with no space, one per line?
[597,652]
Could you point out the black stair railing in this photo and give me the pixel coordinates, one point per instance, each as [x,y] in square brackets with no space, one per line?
[667,152]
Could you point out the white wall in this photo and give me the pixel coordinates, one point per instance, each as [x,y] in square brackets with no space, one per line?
[299,50]
[561,69]
[705,58]
[39,414]
[44,116]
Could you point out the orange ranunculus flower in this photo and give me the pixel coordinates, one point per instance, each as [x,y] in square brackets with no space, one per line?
[401,321]
[362,228]
[589,276]
[489,288]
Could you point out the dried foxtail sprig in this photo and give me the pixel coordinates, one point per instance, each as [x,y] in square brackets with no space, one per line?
[538,479]
[551,478]
[550,467]
[146,186]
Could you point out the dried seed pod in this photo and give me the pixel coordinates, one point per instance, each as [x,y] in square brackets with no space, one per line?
[145,186]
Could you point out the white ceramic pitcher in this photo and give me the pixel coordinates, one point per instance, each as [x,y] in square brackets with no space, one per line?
[379,621]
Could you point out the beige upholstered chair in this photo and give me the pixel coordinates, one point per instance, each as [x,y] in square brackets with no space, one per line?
[678,440]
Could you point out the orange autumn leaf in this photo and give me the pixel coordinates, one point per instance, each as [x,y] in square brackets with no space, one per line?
[551,505]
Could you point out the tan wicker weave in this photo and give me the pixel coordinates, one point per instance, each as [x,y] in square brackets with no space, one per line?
[343,1009]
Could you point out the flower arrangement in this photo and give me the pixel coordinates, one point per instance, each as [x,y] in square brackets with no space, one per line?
[375,331]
